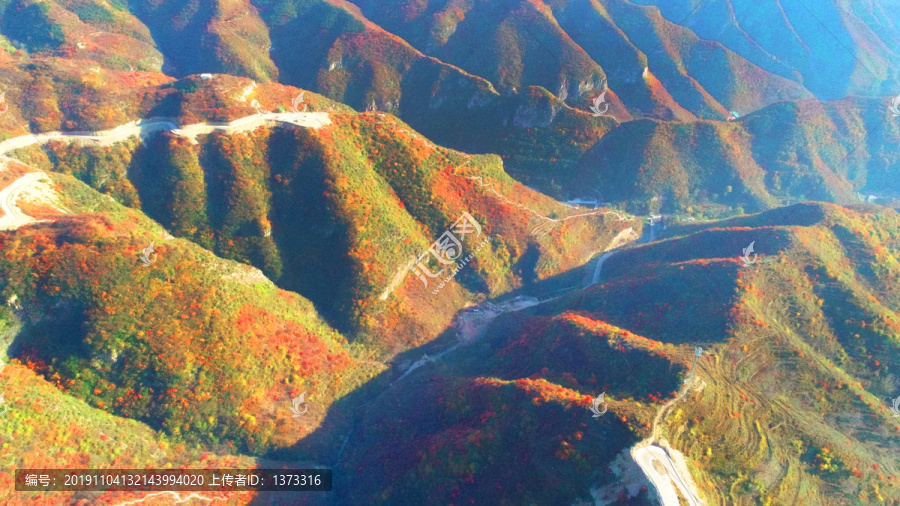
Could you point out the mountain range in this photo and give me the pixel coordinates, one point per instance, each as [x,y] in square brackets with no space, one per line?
[496,249]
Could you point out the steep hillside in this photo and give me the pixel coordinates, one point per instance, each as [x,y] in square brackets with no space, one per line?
[575,45]
[835,48]
[506,420]
[374,195]
[403,240]
[786,152]
[533,132]
[93,33]
[357,50]
[205,349]
[429,66]
[354,61]
[789,398]
[45,428]
[794,400]
[222,36]
[783,153]
[62,94]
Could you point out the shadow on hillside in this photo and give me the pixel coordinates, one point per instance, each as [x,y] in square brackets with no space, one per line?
[398,425]
[50,334]
[324,444]
[677,291]
[579,353]
[313,243]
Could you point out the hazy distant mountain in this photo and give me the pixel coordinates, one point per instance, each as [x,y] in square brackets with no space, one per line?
[834,48]
[831,151]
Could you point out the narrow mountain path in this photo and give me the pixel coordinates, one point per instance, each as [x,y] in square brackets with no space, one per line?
[665,467]
[145,127]
[13,217]
[599,266]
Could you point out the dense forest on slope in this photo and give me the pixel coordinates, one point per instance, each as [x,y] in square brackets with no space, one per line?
[422,244]
[799,349]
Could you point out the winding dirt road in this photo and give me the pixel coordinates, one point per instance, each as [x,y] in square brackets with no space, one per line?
[664,466]
[13,217]
[144,127]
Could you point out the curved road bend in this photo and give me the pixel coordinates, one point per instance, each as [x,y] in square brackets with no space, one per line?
[142,128]
[599,266]
[662,471]
[13,217]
